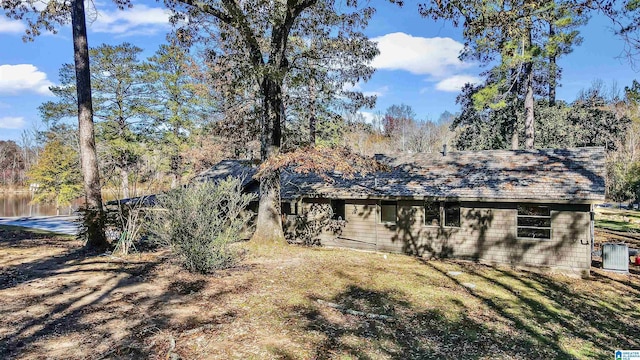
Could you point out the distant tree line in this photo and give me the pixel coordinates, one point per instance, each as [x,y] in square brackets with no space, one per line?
[16,158]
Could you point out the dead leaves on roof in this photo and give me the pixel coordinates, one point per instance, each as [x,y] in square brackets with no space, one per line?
[322,160]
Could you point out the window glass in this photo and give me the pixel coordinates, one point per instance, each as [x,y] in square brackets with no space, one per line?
[534,210]
[338,210]
[388,212]
[534,233]
[287,208]
[452,214]
[534,222]
[432,214]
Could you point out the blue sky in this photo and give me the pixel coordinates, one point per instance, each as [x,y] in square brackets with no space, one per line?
[418,64]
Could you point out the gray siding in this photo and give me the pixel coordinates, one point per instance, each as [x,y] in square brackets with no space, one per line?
[487,233]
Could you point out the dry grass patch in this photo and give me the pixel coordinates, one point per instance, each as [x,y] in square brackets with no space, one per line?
[66,304]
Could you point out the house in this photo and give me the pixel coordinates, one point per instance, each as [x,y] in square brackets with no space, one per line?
[520,207]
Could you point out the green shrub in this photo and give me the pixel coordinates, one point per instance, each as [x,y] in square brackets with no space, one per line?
[125,225]
[201,221]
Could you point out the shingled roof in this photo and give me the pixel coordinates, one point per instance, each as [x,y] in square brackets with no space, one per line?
[553,175]
[242,169]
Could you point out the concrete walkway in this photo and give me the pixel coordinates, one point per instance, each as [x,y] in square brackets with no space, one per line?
[58,224]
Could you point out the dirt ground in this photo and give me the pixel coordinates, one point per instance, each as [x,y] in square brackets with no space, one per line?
[60,302]
[606,235]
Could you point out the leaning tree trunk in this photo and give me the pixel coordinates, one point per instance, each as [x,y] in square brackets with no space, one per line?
[269,223]
[529,120]
[94,217]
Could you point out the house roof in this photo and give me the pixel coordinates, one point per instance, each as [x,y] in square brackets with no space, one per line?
[546,175]
[242,169]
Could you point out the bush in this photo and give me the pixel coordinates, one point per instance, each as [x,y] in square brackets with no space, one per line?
[307,228]
[124,225]
[201,221]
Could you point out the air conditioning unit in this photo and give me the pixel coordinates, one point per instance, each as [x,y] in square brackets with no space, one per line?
[615,257]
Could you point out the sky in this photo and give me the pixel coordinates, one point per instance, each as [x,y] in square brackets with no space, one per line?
[418,63]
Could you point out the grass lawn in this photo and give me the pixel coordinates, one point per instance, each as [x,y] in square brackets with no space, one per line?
[617,225]
[618,220]
[60,302]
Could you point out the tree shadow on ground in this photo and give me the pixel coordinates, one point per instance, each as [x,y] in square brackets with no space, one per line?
[66,302]
[13,236]
[413,333]
[549,312]
[503,313]
[73,304]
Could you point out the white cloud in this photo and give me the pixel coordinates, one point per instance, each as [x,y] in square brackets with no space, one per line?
[11,122]
[23,77]
[352,87]
[379,92]
[437,57]
[367,116]
[140,19]
[9,26]
[456,82]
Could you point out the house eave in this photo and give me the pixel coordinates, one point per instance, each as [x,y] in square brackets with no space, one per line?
[447,198]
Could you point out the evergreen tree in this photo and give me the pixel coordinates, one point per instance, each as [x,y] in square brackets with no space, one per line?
[513,34]
[121,103]
[176,106]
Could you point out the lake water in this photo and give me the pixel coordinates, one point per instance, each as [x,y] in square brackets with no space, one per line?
[18,204]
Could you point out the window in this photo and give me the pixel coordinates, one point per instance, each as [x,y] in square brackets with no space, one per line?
[288,208]
[534,222]
[432,214]
[388,211]
[337,208]
[442,213]
[452,214]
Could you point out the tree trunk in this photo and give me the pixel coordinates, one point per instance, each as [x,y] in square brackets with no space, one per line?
[403,135]
[175,180]
[529,120]
[552,80]
[124,176]
[94,217]
[312,110]
[515,90]
[514,134]
[176,159]
[312,130]
[553,71]
[269,223]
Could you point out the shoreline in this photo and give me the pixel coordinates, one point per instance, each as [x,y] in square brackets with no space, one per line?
[15,191]
[63,224]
